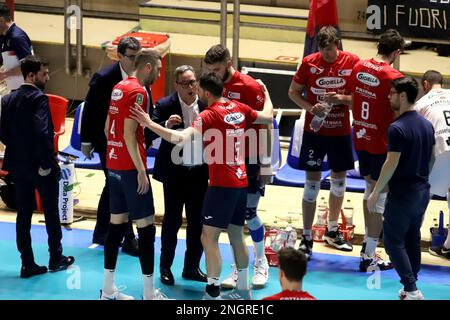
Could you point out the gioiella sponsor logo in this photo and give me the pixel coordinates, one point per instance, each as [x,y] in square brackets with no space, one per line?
[234,118]
[65,174]
[368,79]
[330,82]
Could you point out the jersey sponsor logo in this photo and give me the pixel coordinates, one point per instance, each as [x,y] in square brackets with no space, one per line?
[318,91]
[344,72]
[331,82]
[139,99]
[234,95]
[365,93]
[362,134]
[234,118]
[259,99]
[316,70]
[368,79]
[370,65]
[116,95]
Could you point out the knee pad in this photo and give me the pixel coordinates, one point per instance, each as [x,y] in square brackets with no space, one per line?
[254,223]
[253,200]
[337,187]
[381,203]
[367,191]
[311,190]
[250,214]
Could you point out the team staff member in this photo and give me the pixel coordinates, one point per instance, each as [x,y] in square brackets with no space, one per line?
[245,89]
[184,183]
[131,195]
[26,129]
[372,115]
[15,45]
[292,271]
[409,160]
[328,70]
[435,107]
[225,200]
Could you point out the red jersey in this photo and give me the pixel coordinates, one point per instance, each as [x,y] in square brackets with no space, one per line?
[291,295]
[319,77]
[123,97]
[245,89]
[223,154]
[372,114]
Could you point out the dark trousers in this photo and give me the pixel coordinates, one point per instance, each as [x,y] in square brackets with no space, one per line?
[48,188]
[403,217]
[185,188]
[103,212]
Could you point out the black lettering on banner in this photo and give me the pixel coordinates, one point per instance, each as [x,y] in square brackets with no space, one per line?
[416,19]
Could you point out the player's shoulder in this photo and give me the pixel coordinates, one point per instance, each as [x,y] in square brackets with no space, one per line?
[350,56]
[312,58]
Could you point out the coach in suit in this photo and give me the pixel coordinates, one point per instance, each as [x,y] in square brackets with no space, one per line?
[184,184]
[26,129]
[93,138]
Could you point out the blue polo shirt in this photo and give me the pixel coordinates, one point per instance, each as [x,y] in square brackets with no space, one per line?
[413,136]
[14,46]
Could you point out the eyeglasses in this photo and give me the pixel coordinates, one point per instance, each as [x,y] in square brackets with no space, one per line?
[187,84]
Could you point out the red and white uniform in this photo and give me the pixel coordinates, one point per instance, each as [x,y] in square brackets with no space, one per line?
[228,122]
[245,89]
[291,295]
[371,83]
[123,97]
[320,77]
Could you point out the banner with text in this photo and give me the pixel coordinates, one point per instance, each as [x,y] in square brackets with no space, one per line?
[428,19]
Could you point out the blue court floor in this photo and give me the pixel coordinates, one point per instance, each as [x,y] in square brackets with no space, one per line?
[329,276]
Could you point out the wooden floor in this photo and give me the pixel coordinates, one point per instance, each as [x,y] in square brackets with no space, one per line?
[278,206]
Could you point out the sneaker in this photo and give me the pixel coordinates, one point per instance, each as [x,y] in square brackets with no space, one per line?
[238,295]
[260,273]
[335,239]
[33,270]
[116,295]
[230,282]
[306,247]
[413,295]
[440,251]
[206,296]
[62,264]
[374,263]
[158,295]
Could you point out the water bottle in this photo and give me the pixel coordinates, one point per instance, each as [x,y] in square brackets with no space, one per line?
[317,122]
[348,213]
[291,236]
[279,242]
[323,213]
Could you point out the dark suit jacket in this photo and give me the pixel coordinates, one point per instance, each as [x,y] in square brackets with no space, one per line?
[96,106]
[164,108]
[26,129]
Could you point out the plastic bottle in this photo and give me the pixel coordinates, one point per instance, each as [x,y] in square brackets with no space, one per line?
[322,212]
[291,236]
[279,242]
[348,213]
[317,122]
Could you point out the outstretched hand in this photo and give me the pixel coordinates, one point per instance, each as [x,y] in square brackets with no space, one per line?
[138,114]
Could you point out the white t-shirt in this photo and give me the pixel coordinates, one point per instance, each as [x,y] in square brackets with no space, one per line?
[435,107]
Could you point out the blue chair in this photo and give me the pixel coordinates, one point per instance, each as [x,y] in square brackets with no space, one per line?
[75,145]
[290,174]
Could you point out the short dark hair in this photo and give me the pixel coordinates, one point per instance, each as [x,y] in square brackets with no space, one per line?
[407,85]
[144,57]
[293,263]
[328,35]
[5,12]
[182,69]
[216,54]
[210,82]
[390,41]
[33,64]
[433,77]
[128,43]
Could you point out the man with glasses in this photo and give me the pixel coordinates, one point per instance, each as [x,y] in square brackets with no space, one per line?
[94,114]
[184,182]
